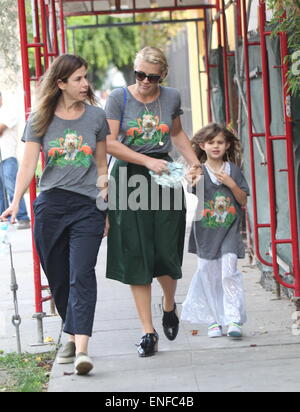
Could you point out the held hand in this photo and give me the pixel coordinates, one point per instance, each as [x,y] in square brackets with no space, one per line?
[157,165]
[225,179]
[194,175]
[11,211]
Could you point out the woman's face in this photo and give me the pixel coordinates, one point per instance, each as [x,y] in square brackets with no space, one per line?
[145,87]
[77,85]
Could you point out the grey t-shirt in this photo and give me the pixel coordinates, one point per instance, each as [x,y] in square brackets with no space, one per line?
[218,232]
[146,128]
[69,147]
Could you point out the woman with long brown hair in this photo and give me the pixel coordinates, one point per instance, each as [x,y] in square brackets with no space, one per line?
[68,225]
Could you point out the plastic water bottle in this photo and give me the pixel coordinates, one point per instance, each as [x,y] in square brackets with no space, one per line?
[4,238]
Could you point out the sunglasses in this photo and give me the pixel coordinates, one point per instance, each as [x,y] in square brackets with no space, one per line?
[153,78]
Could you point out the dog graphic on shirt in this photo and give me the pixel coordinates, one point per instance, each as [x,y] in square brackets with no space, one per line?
[219,212]
[221,208]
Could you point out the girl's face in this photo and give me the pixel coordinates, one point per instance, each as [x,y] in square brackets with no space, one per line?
[77,85]
[215,148]
[145,87]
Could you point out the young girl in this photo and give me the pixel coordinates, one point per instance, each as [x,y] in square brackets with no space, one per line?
[216,295]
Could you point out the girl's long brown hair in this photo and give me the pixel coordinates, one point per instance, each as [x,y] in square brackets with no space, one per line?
[209,132]
[49,92]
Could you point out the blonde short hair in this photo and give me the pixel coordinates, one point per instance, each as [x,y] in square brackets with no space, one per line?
[153,55]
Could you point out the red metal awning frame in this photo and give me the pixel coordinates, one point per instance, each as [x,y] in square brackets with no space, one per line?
[135,10]
[270,140]
[51,13]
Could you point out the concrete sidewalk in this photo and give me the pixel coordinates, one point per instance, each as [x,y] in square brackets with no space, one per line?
[267,359]
[23,264]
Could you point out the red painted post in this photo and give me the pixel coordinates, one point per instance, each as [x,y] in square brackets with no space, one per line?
[256,225]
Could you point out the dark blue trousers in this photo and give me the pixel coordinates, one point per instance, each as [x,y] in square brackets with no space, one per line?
[68,233]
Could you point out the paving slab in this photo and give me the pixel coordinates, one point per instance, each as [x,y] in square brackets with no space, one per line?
[268,353]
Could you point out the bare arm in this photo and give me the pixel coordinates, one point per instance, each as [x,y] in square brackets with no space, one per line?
[184,146]
[102,183]
[2,128]
[182,143]
[101,162]
[24,177]
[240,195]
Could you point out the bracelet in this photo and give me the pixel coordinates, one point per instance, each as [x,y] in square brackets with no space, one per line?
[197,166]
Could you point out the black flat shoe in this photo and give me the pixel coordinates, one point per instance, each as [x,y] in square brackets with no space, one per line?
[148,345]
[170,323]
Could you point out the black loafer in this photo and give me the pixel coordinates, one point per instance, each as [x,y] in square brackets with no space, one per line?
[148,345]
[171,323]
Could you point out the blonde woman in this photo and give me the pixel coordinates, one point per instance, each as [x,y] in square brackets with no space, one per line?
[146,241]
[68,226]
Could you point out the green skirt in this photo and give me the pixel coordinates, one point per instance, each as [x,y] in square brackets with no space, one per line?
[147,226]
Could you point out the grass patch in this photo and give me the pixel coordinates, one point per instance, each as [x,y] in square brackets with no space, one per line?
[26,372]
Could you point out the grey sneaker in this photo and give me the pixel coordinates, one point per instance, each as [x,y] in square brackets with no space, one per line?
[23,224]
[67,354]
[83,364]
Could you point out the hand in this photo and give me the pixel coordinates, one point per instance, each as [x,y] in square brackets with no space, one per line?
[225,179]
[194,175]
[106,228]
[11,211]
[157,165]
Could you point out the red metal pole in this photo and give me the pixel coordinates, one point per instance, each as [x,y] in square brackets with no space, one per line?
[209,111]
[37,54]
[219,35]
[225,64]
[239,17]
[37,40]
[269,142]
[290,164]
[54,24]
[62,26]
[27,98]
[24,55]
[44,32]
[256,225]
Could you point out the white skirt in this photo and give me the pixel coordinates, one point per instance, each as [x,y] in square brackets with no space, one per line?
[216,293]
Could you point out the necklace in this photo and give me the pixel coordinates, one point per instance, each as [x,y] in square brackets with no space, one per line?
[160,116]
[159,107]
[216,171]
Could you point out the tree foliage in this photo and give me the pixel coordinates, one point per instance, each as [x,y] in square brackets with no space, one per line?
[102,47]
[9,43]
[287,19]
[114,46]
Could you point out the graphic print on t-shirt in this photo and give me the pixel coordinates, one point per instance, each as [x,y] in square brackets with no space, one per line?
[69,150]
[147,129]
[219,212]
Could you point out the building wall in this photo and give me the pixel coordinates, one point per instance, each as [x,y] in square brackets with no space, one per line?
[199,80]
[11,84]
